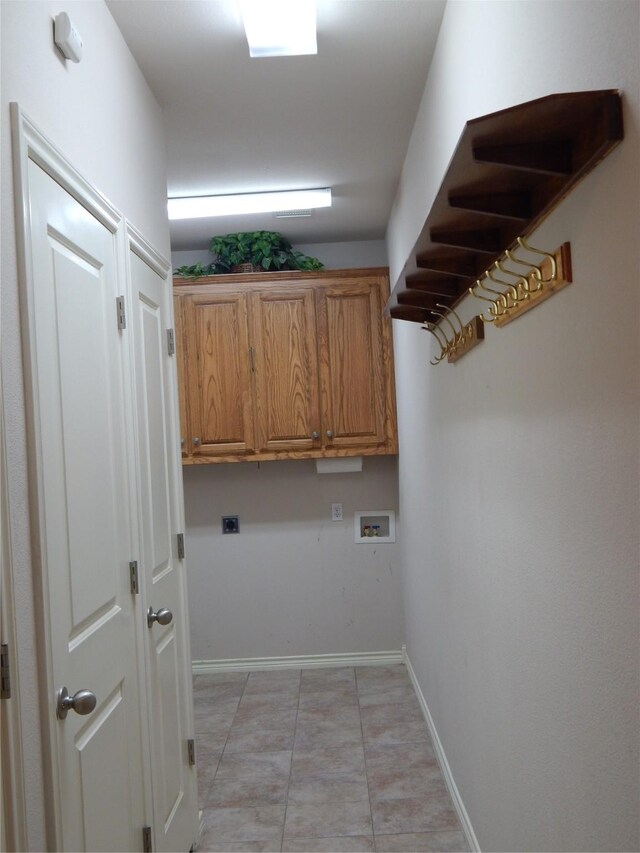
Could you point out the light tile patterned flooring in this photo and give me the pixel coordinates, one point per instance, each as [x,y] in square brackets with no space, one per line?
[319,760]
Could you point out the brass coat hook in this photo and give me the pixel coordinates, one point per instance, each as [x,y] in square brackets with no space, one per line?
[460,334]
[554,265]
[502,299]
[444,317]
[533,271]
[511,292]
[495,311]
[444,348]
[522,283]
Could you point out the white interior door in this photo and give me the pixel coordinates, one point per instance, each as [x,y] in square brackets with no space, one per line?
[78,381]
[168,658]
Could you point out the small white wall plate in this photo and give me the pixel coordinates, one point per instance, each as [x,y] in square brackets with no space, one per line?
[67,37]
[374,526]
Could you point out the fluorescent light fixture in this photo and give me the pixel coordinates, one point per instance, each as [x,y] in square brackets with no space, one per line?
[280,27]
[233,205]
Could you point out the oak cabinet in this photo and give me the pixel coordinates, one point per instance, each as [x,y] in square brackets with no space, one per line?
[285,365]
[219,415]
[353,365]
[283,356]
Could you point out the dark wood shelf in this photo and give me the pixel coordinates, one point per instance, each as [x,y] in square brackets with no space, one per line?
[510,169]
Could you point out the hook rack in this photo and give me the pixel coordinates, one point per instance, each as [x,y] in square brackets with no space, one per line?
[465,338]
[529,289]
[509,170]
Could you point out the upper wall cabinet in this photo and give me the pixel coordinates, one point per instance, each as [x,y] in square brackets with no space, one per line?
[285,365]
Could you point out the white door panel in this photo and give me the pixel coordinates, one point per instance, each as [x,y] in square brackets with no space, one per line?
[84,504]
[168,654]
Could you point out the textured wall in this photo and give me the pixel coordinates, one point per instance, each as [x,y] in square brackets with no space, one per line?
[102,116]
[519,464]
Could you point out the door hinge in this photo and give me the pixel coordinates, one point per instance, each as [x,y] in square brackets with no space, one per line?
[147,846]
[5,672]
[191,751]
[122,314]
[133,575]
[180,538]
[171,342]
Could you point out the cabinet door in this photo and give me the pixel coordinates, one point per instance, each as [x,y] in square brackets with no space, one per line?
[284,359]
[357,400]
[182,357]
[219,380]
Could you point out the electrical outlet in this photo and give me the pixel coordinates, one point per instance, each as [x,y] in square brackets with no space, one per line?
[230,524]
[336,512]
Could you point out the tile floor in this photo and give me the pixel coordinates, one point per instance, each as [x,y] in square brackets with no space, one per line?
[319,760]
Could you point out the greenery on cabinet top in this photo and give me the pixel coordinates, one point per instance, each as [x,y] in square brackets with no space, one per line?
[266,251]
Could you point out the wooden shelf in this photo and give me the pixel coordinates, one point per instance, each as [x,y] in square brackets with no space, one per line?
[509,171]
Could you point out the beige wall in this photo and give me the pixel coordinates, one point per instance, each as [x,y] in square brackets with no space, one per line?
[102,116]
[292,582]
[519,464]
[357,253]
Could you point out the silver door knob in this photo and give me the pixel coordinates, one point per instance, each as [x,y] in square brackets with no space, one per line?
[82,702]
[196,441]
[315,435]
[162,616]
[182,442]
[329,433]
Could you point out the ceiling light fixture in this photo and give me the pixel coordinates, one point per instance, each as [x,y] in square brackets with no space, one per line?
[280,27]
[234,205]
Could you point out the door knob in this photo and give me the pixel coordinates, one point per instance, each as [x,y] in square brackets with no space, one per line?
[162,617]
[329,433]
[315,435]
[196,441]
[82,702]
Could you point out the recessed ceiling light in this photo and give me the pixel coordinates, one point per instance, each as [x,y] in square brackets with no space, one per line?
[280,27]
[230,205]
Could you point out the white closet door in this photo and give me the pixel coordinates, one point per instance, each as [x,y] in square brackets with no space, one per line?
[77,371]
[162,571]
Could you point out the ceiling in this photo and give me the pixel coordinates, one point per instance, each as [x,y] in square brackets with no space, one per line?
[340,119]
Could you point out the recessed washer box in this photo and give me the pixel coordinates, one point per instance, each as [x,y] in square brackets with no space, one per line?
[373,526]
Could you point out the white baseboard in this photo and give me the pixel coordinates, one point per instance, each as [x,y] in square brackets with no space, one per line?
[463,817]
[202,667]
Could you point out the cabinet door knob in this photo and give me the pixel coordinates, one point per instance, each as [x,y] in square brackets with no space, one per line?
[315,435]
[329,433]
[182,442]
[196,441]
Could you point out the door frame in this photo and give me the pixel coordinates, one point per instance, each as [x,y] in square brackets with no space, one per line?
[12,797]
[29,143]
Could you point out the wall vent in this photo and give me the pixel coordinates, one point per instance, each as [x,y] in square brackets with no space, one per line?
[288,214]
